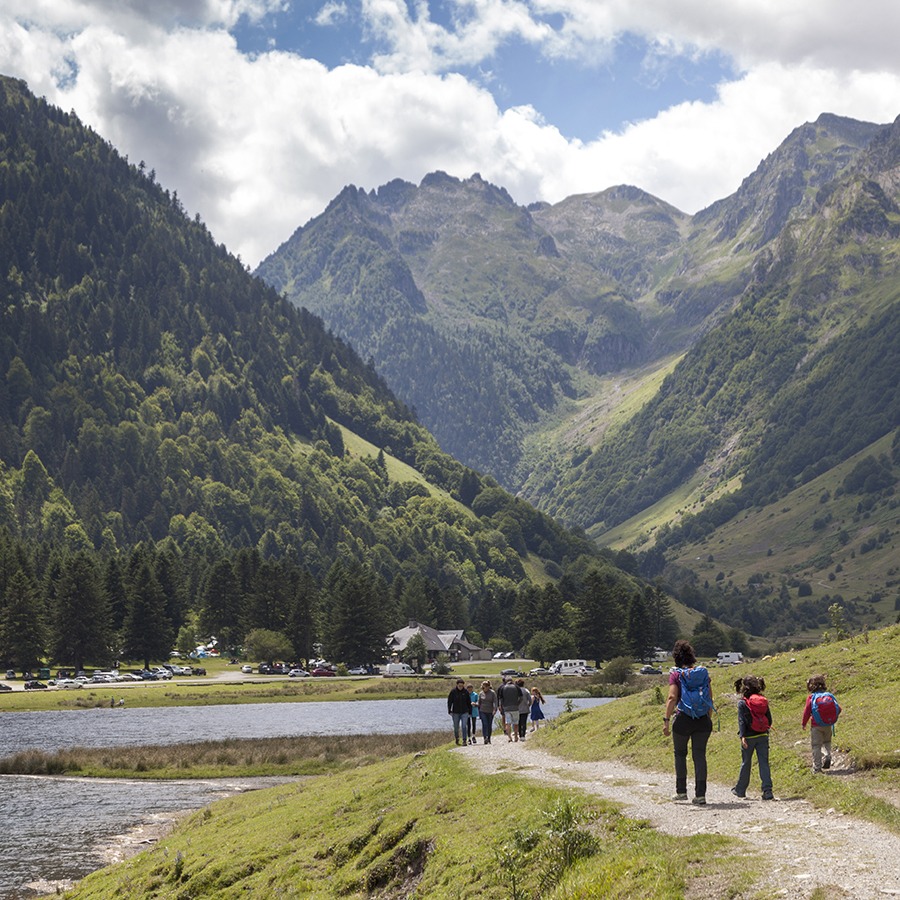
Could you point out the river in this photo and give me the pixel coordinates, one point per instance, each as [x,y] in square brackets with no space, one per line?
[53,829]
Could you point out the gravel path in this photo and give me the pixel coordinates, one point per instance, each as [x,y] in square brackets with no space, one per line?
[807,848]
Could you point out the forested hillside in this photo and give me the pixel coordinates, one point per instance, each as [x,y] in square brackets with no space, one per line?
[172,447]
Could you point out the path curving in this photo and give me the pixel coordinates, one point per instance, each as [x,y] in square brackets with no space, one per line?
[807,848]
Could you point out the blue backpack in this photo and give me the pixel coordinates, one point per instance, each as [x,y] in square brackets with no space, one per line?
[824,708]
[696,692]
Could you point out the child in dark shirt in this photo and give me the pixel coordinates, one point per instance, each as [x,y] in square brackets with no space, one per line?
[754,722]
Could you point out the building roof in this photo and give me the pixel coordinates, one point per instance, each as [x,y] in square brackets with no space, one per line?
[434,642]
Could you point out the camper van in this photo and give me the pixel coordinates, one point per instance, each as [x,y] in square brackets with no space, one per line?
[568,667]
[729,659]
[398,669]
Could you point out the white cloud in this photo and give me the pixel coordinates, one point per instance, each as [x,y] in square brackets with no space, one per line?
[332,14]
[258,145]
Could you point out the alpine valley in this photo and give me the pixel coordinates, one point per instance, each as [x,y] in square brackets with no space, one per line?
[715,396]
[184,454]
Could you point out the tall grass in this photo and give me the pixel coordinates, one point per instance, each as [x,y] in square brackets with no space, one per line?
[233,757]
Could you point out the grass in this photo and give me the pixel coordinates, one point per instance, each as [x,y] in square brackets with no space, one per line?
[781,541]
[232,758]
[422,825]
[864,674]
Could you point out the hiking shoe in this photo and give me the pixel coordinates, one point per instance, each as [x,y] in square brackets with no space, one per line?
[699,801]
[768,796]
[736,794]
[678,797]
[826,763]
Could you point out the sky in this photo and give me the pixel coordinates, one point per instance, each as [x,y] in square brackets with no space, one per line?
[258,112]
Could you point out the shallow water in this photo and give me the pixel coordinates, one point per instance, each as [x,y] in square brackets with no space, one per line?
[103,727]
[55,828]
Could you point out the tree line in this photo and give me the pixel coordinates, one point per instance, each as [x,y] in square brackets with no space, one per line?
[79,608]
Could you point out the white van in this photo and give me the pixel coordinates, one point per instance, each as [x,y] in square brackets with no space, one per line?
[729,659]
[568,666]
[398,669]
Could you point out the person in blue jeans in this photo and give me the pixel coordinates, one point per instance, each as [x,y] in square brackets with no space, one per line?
[459,706]
[473,696]
[487,709]
[754,722]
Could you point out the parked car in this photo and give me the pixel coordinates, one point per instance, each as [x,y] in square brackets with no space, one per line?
[4,687]
[198,670]
[650,670]
[514,673]
[540,670]
[147,675]
[588,670]
[67,683]
[10,674]
[358,670]
[322,672]
[247,670]
[298,673]
[162,674]
[35,685]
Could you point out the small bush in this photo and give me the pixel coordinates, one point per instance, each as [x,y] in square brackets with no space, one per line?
[617,671]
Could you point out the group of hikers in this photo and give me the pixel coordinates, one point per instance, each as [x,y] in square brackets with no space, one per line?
[688,717]
[515,703]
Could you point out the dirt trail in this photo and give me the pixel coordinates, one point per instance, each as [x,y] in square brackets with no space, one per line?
[807,848]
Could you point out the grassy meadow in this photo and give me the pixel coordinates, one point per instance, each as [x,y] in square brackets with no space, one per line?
[422,825]
[864,673]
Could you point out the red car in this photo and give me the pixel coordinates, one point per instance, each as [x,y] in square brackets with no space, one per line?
[322,671]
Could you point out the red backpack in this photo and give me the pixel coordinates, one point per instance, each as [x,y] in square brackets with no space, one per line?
[758,706]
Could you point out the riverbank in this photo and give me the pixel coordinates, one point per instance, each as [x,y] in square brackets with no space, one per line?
[230,758]
[426,824]
[234,688]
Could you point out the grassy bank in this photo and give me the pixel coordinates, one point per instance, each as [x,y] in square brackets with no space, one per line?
[252,690]
[420,826]
[232,758]
[865,675]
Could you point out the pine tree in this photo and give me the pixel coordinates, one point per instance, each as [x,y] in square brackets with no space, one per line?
[300,626]
[147,632]
[354,627]
[22,632]
[641,639]
[80,626]
[603,618]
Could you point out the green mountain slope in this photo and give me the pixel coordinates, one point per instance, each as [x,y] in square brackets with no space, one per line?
[463,303]
[705,363]
[179,446]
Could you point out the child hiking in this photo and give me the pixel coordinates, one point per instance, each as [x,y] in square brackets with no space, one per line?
[754,722]
[822,707]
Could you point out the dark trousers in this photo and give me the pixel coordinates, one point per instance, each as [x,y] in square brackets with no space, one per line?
[759,746]
[487,724]
[523,723]
[695,732]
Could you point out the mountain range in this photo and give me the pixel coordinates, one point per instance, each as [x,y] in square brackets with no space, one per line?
[641,373]
[181,448]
